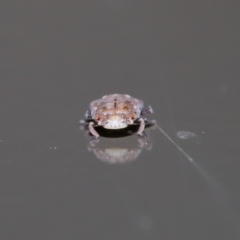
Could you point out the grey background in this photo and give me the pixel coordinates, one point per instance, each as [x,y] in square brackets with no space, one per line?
[182,57]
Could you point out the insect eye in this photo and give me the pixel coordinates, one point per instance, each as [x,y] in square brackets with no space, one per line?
[98,118]
[133,117]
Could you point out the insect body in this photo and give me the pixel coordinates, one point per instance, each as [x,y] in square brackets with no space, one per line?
[116,111]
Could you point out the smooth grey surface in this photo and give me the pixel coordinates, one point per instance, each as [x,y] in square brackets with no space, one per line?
[182,57]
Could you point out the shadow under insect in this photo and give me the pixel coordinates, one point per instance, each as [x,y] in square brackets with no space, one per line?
[118,133]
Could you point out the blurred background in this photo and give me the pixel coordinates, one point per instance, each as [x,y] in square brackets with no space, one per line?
[180,57]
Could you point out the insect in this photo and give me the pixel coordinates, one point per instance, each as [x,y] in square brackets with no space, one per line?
[116,111]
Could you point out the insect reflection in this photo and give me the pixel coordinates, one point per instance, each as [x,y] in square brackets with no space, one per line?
[114,149]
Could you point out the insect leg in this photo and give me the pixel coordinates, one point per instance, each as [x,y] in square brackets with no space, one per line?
[149,122]
[88,115]
[92,130]
[83,122]
[141,128]
[148,110]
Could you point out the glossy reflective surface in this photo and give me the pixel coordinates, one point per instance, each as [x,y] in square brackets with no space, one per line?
[181,58]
